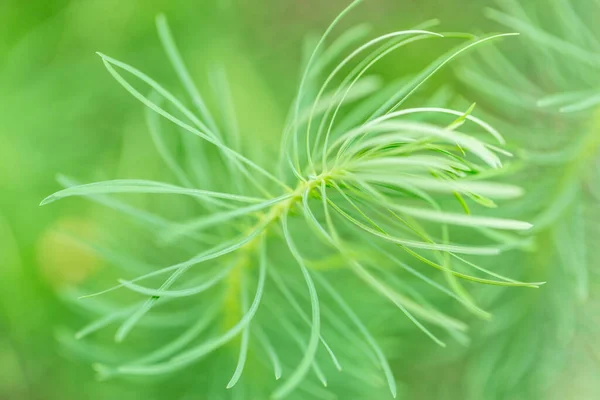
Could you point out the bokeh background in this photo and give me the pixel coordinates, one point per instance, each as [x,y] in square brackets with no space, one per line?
[61,112]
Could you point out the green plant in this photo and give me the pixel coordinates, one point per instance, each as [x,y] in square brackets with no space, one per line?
[373,182]
[544,92]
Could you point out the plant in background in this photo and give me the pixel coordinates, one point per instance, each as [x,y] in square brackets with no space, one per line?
[551,111]
[277,253]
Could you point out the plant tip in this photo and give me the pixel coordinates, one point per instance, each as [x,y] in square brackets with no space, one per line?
[103,372]
[47,200]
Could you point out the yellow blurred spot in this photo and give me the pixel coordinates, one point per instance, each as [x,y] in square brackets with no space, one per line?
[63,261]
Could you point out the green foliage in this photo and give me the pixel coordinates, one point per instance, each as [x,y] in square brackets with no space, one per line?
[363,193]
[550,114]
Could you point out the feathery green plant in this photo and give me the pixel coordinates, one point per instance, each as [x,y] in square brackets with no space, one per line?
[356,190]
[552,116]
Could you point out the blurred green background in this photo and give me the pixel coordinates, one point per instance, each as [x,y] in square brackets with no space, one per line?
[61,112]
